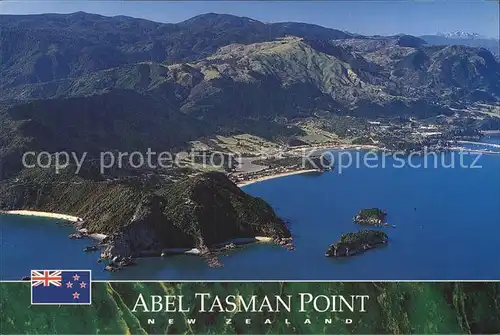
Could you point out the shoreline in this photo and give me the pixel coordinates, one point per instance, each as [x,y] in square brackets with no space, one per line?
[100,237]
[314,150]
[59,216]
[235,241]
[274,176]
[479,151]
[486,144]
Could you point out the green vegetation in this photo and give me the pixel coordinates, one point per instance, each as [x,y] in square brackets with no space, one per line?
[393,308]
[371,213]
[144,217]
[362,140]
[352,243]
[311,162]
[363,236]
[212,209]
[96,88]
[370,216]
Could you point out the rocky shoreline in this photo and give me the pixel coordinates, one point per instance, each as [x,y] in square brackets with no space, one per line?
[115,262]
[199,215]
[210,255]
[351,244]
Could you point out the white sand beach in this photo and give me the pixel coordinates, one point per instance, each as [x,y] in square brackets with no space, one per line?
[273,176]
[58,216]
[264,239]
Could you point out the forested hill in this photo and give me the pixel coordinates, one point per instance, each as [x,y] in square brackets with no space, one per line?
[60,55]
[86,82]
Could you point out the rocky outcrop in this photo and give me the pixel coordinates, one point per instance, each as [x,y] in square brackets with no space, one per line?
[354,243]
[371,216]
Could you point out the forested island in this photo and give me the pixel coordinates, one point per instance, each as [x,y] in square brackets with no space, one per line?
[354,243]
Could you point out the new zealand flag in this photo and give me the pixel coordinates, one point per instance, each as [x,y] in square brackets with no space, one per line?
[60,287]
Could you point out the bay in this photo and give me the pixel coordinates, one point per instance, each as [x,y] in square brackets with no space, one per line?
[447,228]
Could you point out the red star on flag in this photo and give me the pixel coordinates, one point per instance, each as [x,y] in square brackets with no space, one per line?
[83,284]
[76,277]
[76,295]
[69,284]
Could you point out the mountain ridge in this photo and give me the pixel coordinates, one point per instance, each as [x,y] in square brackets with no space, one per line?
[214,75]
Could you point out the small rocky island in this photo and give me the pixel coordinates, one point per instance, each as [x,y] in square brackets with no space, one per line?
[354,243]
[371,216]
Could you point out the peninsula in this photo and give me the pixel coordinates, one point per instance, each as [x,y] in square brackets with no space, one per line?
[202,213]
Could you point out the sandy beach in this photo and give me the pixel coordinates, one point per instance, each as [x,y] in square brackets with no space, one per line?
[58,216]
[273,176]
[264,239]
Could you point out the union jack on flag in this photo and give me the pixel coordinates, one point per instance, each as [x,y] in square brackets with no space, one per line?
[60,287]
[45,278]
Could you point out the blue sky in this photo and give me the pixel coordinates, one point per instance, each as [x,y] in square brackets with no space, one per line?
[363,17]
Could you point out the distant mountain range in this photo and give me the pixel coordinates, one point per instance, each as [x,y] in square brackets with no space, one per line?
[464,38]
[59,55]
[88,82]
[460,34]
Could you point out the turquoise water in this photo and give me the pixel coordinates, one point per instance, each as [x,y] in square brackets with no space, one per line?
[447,227]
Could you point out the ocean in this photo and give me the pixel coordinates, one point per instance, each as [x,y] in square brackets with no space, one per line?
[447,228]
